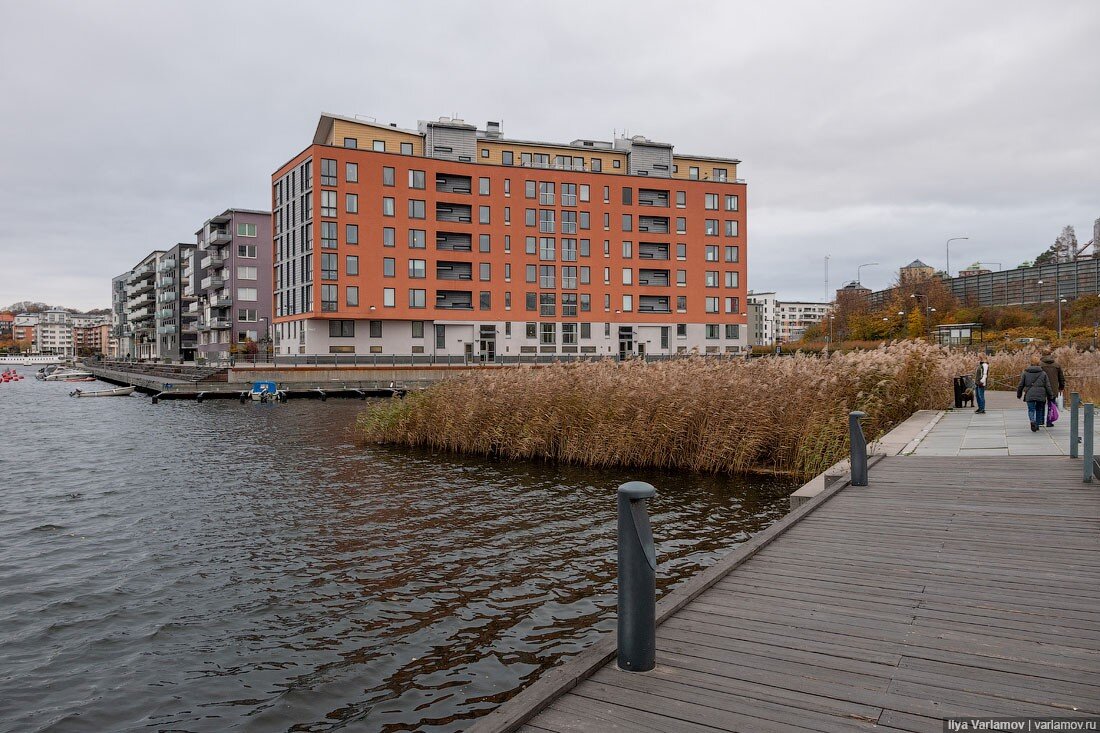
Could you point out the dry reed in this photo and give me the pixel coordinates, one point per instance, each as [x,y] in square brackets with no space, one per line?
[774,414]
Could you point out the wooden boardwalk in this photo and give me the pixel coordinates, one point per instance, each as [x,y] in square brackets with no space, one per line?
[948,587]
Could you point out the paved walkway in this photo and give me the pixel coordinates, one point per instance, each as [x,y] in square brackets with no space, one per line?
[1003,430]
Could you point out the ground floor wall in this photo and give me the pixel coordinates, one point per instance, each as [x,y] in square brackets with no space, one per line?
[508,338]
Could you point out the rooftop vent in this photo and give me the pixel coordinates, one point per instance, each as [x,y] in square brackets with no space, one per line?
[492,129]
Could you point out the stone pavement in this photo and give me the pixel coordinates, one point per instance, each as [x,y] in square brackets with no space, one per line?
[1003,430]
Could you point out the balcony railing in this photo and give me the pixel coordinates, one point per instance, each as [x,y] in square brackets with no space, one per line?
[218,237]
[221,301]
[211,260]
[166,313]
[220,324]
[167,266]
[166,330]
[212,281]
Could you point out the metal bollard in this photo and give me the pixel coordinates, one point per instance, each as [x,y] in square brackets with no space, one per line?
[1088,442]
[858,448]
[1074,434]
[637,580]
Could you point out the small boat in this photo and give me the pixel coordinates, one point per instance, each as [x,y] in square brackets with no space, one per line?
[66,374]
[81,379]
[118,392]
[264,391]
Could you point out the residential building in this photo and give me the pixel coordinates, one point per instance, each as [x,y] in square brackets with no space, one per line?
[141,307]
[794,317]
[176,321]
[231,282]
[120,336]
[89,340]
[7,324]
[975,269]
[451,240]
[54,334]
[24,327]
[915,271]
[762,318]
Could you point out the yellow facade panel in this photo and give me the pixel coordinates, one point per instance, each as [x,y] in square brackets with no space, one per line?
[365,135]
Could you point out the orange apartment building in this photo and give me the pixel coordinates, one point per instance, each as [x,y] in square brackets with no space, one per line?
[450,240]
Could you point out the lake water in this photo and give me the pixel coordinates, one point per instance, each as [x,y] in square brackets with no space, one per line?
[227,567]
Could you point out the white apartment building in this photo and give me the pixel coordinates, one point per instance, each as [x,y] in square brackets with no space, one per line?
[54,334]
[774,321]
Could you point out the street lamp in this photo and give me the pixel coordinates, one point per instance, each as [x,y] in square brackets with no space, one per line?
[267,335]
[948,247]
[866,264]
[1040,284]
[1060,301]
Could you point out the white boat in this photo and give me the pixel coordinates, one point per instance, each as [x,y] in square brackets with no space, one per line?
[63,374]
[118,392]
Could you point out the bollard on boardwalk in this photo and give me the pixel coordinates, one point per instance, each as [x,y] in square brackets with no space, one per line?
[637,580]
[1074,433]
[1088,443]
[858,448]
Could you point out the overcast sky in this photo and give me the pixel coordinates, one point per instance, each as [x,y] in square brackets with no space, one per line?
[869,131]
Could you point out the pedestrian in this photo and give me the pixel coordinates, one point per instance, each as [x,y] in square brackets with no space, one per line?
[981,378]
[1034,388]
[1056,377]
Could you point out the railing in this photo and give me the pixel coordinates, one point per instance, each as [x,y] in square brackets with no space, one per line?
[211,282]
[221,301]
[216,238]
[211,261]
[430,360]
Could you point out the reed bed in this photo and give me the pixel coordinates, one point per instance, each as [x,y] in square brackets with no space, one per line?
[786,415]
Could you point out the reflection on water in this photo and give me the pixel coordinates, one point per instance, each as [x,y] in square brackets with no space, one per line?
[223,567]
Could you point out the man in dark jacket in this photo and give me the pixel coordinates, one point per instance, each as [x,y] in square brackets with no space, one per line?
[981,380]
[1055,376]
[1035,389]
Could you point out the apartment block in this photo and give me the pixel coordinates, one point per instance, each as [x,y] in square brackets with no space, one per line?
[141,306]
[230,280]
[91,339]
[121,339]
[450,240]
[24,326]
[773,321]
[176,322]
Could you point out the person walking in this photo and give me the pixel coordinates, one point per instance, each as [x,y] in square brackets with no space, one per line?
[1034,388]
[1056,377]
[981,378]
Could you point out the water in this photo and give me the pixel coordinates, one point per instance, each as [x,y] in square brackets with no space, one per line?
[227,567]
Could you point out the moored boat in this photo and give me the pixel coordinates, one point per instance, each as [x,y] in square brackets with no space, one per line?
[117,392]
[67,375]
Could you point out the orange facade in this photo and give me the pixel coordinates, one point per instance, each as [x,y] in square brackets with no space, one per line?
[615,215]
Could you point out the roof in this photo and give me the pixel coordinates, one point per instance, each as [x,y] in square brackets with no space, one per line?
[915,264]
[325,124]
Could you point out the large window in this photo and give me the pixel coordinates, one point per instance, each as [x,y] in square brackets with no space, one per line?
[341,329]
[246,273]
[328,203]
[351,265]
[329,298]
[710,201]
[546,248]
[547,276]
[548,334]
[417,239]
[546,221]
[247,251]
[246,230]
[710,228]
[546,193]
[732,203]
[418,298]
[418,269]
[569,278]
[731,227]
[568,222]
[328,235]
[416,179]
[569,250]
[568,331]
[547,304]
[416,209]
[328,172]
[246,293]
[328,266]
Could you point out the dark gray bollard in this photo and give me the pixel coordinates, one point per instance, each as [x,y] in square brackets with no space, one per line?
[637,580]
[1074,433]
[1088,443]
[858,448]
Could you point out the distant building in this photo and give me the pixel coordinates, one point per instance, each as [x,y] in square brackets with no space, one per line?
[975,269]
[915,271]
[141,307]
[762,312]
[7,324]
[91,339]
[177,332]
[23,330]
[54,334]
[774,321]
[852,289]
[122,342]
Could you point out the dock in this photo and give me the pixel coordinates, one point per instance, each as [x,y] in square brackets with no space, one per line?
[950,586]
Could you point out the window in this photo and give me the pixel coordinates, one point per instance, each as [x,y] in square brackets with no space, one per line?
[710,228]
[548,334]
[569,278]
[351,203]
[379,146]
[328,235]
[597,165]
[568,331]
[508,157]
[628,276]
[387,206]
[246,230]
[328,266]
[607,307]
[485,152]
[328,172]
[508,243]
[546,248]
[388,177]
[616,163]
[681,199]
[568,194]
[529,217]
[351,233]
[507,214]
[530,245]
[247,251]
[733,305]
[440,336]
[547,304]
[682,278]
[732,279]
[417,297]
[483,214]
[547,278]
[417,329]
[351,296]
[532,273]
[328,298]
[485,300]
[341,329]
[389,267]
[693,172]
[628,303]
[607,276]
[586,302]
[711,280]
[681,225]
[532,302]
[507,272]
[568,250]
[248,315]
[681,330]
[731,227]
[246,273]
[586,220]
[628,223]
[586,192]
[417,239]
[586,248]
[628,250]
[483,243]
[712,330]
[416,179]
[483,186]
[406,148]
[416,209]
[389,237]
[681,251]
[732,253]
[484,271]
[712,305]
[529,189]
[712,253]
[731,202]
[710,201]
[418,269]
[733,331]
[351,265]
[664,337]
[546,221]
[628,196]
[681,302]
[328,203]
[568,222]
[351,172]
[389,299]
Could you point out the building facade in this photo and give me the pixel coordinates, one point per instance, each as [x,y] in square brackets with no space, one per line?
[54,334]
[141,307]
[762,315]
[176,322]
[121,340]
[24,326]
[773,321]
[231,283]
[451,240]
[90,340]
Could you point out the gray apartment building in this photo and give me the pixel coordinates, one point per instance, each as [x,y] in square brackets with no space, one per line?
[231,282]
[141,317]
[177,333]
[123,342]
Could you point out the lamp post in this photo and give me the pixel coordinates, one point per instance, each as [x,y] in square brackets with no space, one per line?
[1060,301]
[866,264]
[948,247]
[1040,284]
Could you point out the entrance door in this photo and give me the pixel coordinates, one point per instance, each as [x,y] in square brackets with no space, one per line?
[469,351]
[487,351]
[641,350]
[626,342]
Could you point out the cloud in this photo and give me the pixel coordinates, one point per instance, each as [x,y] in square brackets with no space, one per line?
[869,131]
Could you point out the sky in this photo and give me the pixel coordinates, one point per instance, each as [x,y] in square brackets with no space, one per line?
[869,131]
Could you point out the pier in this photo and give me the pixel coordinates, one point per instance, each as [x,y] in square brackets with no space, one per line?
[955,584]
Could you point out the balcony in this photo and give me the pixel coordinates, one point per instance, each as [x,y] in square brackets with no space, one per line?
[456,213]
[166,330]
[140,314]
[454,271]
[220,324]
[212,281]
[652,197]
[217,237]
[656,278]
[658,224]
[653,251]
[221,301]
[453,242]
[653,304]
[457,300]
[166,266]
[167,296]
[166,313]
[452,183]
[211,260]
